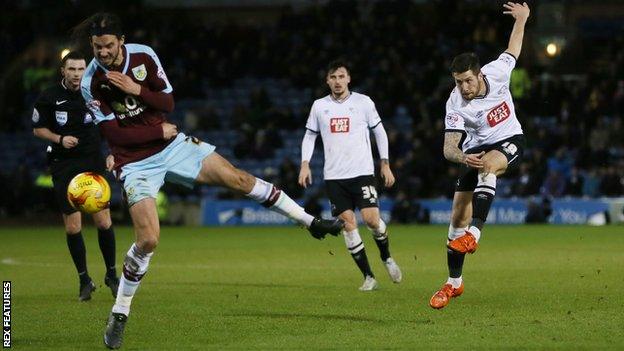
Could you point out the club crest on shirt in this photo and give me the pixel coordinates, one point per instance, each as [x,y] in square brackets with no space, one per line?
[498,114]
[452,120]
[88,118]
[339,125]
[139,72]
[61,117]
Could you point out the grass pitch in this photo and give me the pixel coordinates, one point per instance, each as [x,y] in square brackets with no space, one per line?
[528,287]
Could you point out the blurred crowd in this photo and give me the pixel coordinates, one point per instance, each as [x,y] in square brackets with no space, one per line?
[571,110]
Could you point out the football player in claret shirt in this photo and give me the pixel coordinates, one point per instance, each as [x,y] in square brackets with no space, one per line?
[61,118]
[483,134]
[126,88]
[344,120]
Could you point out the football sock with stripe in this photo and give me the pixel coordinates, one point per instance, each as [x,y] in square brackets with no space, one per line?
[135,267]
[271,197]
[356,248]
[482,199]
[455,260]
[381,239]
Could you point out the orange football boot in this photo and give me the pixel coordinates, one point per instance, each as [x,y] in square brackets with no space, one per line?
[464,244]
[442,297]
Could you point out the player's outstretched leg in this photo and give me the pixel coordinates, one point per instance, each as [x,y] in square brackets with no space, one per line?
[495,163]
[106,239]
[136,263]
[216,170]
[380,233]
[482,199]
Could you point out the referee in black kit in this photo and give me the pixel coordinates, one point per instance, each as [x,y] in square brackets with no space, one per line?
[60,117]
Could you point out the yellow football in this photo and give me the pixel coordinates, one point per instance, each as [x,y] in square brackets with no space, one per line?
[89,192]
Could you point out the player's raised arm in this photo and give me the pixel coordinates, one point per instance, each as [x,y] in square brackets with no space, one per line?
[520,12]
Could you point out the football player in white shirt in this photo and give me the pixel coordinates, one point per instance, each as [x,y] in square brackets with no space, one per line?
[483,134]
[344,120]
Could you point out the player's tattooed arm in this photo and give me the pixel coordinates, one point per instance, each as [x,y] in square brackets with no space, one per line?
[452,152]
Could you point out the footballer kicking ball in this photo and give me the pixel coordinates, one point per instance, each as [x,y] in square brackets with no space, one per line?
[89,192]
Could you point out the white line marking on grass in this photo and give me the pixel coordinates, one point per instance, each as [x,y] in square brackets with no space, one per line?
[12,262]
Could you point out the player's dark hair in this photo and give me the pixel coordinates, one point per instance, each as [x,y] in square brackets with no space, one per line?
[72,55]
[334,65]
[468,61]
[101,23]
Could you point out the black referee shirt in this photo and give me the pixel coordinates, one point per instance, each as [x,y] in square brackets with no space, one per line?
[64,112]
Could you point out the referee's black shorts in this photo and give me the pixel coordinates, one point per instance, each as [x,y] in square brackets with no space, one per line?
[64,170]
[512,148]
[349,194]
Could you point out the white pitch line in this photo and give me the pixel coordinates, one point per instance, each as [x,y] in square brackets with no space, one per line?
[12,262]
[201,266]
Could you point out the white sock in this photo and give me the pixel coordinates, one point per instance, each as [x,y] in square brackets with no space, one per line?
[380,232]
[262,192]
[475,232]
[353,241]
[455,282]
[135,269]
[289,208]
[454,233]
[125,293]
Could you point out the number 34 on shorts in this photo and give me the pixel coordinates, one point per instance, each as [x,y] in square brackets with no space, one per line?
[369,193]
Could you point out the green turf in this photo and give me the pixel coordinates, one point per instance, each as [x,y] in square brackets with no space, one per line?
[528,287]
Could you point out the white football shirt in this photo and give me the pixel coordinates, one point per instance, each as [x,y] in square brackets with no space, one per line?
[490,118]
[345,129]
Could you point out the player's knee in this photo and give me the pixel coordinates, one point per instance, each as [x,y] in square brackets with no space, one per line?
[487,167]
[147,244]
[371,221]
[102,222]
[349,220]
[72,227]
[147,235]
[492,167]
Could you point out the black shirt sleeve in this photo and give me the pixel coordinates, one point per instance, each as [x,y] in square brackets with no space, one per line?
[42,112]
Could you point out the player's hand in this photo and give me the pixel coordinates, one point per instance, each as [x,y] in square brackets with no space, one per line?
[517,11]
[110,162]
[69,141]
[305,175]
[386,175]
[474,160]
[124,82]
[169,130]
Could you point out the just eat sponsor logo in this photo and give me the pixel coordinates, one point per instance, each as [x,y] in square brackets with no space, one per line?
[339,125]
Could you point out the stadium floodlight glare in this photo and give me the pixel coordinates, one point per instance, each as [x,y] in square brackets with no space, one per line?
[552,49]
[64,52]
